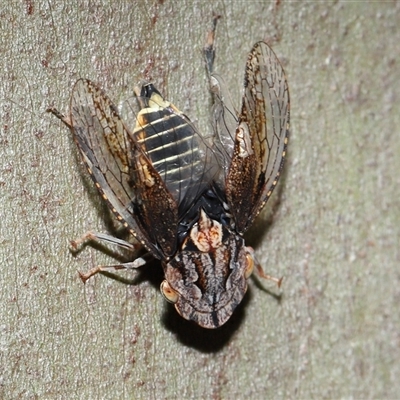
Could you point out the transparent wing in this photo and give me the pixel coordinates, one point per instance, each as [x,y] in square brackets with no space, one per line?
[184,159]
[224,121]
[150,175]
[104,143]
[260,138]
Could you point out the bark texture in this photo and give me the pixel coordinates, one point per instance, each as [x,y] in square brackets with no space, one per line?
[332,228]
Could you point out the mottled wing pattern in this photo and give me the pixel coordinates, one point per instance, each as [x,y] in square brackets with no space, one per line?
[104,143]
[261,136]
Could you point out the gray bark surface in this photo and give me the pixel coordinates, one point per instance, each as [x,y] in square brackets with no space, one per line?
[332,229]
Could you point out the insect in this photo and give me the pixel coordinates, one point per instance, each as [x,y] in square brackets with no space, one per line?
[187,199]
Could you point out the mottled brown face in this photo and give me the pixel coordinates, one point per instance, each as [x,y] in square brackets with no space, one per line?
[208,278]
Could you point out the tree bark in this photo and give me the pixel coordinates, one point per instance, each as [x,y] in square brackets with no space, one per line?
[331,229]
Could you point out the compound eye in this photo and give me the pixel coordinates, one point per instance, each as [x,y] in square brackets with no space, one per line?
[169,294]
[249,266]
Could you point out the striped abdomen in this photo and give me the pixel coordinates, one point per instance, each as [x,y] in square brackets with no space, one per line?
[171,143]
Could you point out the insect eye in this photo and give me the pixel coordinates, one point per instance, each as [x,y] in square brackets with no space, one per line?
[169,294]
[249,265]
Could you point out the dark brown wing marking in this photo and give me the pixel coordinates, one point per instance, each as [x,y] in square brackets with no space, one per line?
[105,144]
[261,136]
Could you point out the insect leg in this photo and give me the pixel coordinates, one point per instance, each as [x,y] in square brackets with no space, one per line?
[138,262]
[103,237]
[260,271]
[63,118]
[209,49]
